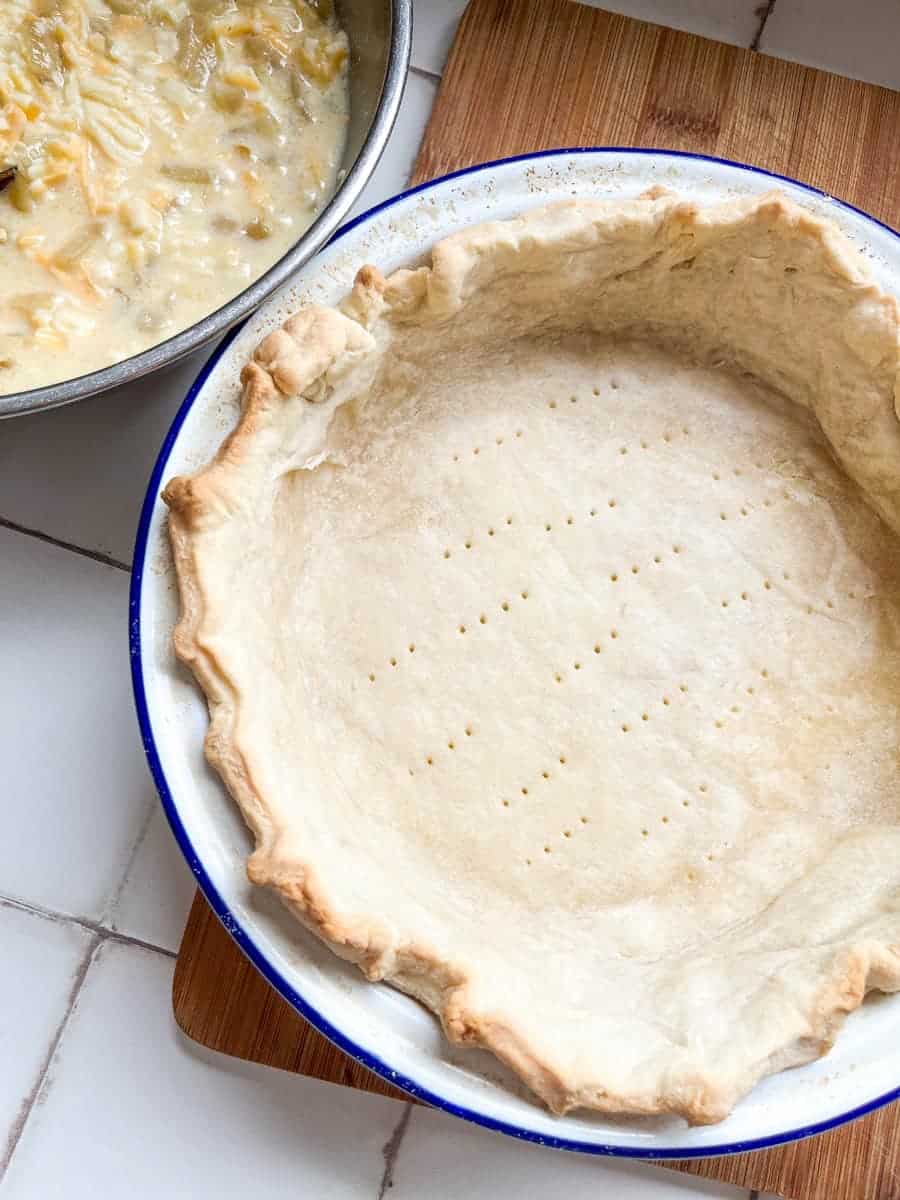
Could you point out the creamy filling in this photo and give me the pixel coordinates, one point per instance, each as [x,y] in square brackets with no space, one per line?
[166,153]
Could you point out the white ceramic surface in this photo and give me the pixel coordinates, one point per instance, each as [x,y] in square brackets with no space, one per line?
[859,41]
[68,825]
[75,1122]
[48,955]
[122,1078]
[385,1026]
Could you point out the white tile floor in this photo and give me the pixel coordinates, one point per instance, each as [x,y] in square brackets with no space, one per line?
[99,1095]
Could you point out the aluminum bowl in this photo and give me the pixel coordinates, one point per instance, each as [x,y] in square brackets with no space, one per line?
[380,33]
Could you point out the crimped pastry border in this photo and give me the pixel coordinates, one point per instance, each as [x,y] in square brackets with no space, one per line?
[417,969]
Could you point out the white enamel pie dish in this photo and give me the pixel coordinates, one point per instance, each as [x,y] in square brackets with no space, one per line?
[376,1025]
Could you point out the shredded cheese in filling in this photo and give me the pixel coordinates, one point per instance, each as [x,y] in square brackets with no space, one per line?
[166,153]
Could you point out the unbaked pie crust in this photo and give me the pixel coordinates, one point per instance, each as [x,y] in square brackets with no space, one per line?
[547,603]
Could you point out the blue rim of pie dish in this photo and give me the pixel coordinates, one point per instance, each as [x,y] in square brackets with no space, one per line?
[244,940]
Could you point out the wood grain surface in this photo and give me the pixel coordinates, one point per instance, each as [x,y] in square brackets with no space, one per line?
[535,74]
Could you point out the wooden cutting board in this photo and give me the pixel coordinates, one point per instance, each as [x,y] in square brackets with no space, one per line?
[530,75]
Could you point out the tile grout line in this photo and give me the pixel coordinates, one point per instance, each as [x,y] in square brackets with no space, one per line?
[96,928]
[107,917]
[28,1104]
[391,1149]
[764,11]
[434,76]
[107,560]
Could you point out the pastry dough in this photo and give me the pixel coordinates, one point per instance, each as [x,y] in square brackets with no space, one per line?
[547,603]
